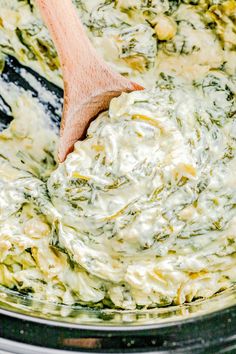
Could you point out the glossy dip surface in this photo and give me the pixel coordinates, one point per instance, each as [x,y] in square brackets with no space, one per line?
[142,213]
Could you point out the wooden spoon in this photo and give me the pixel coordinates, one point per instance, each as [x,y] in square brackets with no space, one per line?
[89,83]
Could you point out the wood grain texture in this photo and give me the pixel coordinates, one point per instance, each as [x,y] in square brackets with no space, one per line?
[89,83]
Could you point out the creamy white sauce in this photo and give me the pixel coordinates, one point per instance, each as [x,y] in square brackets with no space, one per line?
[142,213]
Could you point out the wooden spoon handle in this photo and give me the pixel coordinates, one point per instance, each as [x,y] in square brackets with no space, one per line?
[68,34]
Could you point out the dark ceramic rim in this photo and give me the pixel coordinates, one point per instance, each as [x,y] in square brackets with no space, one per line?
[210,333]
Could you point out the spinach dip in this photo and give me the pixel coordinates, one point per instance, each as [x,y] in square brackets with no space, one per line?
[143,213]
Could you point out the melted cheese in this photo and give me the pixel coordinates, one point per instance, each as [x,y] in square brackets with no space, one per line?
[142,213]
